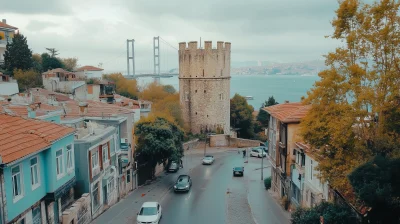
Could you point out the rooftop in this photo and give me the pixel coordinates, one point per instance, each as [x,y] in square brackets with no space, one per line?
[94,109]
[43,95]
[92,131]
[89,68]
[288,112]
[126,102]
[20,136]
[5,25]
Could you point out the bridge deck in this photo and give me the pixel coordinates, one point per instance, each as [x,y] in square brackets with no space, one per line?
[166,75]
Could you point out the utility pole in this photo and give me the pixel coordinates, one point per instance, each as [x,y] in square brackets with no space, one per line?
[262,164]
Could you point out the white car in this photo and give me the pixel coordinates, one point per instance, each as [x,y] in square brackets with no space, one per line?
[208,159]
[149,213]
[257,152]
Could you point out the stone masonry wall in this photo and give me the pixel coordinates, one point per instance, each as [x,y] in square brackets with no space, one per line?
[79,212]
[204,86]
[226,140]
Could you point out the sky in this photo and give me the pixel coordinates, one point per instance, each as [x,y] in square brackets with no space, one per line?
[95,31]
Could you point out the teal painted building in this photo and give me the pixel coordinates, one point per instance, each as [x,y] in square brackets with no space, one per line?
[37,169]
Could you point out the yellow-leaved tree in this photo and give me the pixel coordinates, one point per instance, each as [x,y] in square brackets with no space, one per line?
[355,106]
[125,87]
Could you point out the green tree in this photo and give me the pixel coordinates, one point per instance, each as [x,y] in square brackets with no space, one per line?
[49,62]
[242,116]
[169,89]
[37,62]
[263,116]
[377,184]
[17,54]
[53,52]
[332,213]
[28,79]
[157,140]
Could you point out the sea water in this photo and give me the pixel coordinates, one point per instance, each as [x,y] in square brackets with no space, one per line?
[260,87]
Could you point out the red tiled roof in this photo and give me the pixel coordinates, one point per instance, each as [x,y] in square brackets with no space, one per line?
[94,109]
[5,25]
[125,102]
[288,112]
[20,137]
[89,68]
[42,95]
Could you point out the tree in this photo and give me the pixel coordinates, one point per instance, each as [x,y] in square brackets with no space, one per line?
[377,184]
[53,52]
[169,89]
[358,94]
[332,214]
[37,62]
[49,62]
[27,79]
[263,116]
[127,88]
[70,64]
[17,54]
[157,140]
[242,116]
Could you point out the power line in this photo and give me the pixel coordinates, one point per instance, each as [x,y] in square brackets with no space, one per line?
[169,44]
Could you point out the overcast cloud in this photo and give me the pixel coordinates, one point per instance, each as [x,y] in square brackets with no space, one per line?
[95,31]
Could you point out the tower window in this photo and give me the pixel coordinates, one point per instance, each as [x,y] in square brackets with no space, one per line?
[186,96]
[196,113]
[221,96]
[204,91]
[203,72]
[195,91]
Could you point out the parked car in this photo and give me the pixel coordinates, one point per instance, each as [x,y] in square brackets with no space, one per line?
[265,149]
[183,183]
[149,213]
[257,152]
[208,159]
[238,171]
[173,167]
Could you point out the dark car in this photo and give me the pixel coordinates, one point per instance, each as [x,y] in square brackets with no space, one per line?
[173,167]
[183,183]
[238,171]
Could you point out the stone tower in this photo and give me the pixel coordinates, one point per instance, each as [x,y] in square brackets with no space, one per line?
[204,86]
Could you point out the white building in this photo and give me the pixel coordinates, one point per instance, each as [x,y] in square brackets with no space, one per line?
[8,86]
[6,35]
[312,190]
[89,72]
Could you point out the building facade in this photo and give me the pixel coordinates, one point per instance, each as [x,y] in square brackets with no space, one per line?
[89,72]
[6,35]
[38,172]
[204,86]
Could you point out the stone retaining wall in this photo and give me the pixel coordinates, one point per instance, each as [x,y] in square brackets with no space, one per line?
[228,141]
[79,212]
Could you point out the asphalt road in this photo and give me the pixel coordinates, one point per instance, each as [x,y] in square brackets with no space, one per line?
[218,197]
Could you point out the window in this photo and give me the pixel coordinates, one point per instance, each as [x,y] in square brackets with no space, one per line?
[35,173]
[95,159]
[128,176]
[59,163]
[96,196]
[105,152]
[186,96]
[112,146]
[311,170]
[221,96]
[110,185]
[70,161]
[17,182]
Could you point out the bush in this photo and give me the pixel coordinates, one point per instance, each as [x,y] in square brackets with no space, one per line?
[267,183]
[332,213]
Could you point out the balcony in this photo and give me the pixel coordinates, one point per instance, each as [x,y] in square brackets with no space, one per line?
[282,145]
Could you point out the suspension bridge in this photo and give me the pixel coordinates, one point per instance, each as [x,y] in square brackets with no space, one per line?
[164,63]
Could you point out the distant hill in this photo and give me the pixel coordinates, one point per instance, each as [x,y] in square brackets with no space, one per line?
[308,68]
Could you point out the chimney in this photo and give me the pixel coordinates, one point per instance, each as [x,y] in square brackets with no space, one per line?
[31,112]
[286,101]
[4,21]
[83,108]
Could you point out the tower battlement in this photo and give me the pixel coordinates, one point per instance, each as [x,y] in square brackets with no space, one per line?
[207,62]
[193,45]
